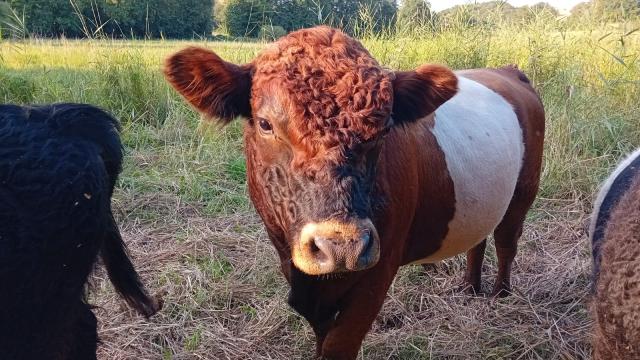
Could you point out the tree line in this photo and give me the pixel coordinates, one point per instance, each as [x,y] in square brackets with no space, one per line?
[274,18]
[114,18]
[254,17]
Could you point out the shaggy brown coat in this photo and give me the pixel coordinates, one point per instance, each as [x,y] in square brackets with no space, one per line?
[617,300]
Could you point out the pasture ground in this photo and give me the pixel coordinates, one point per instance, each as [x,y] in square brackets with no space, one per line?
[183,207]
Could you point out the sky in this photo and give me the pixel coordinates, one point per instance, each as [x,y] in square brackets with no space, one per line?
[563,5]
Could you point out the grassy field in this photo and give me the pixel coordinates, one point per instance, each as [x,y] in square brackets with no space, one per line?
[183,207]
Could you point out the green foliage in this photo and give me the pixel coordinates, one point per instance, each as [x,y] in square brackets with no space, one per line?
[244,17]
[615,10]
[497,12]
[291,14]
[155,18]
[378,15]
[415,14]
[581,13]
[50,17]
[16,87]
[271,32]
[119,18]
[8,24]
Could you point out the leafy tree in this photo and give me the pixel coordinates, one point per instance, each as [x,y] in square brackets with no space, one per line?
[128,18]
[495,12]
[170,18]
[49,17]
[244,17]
[469,15]
[616,10]
[5,18]
[290,14]
[368,15]
[384,12]
[154,18]
[581,9]
[415,14]
[270,33]
[527,14]
[185,18]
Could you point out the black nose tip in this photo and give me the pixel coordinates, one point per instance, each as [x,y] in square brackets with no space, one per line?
[367,245]
[365,239]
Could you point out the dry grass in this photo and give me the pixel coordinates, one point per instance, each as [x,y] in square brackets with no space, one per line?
[225,299]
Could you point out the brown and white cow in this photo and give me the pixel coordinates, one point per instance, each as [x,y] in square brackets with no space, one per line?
[357,170]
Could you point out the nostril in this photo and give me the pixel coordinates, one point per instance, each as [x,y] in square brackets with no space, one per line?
[314,248]
[320,248]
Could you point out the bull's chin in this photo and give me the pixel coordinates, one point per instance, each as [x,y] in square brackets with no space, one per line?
[312,266]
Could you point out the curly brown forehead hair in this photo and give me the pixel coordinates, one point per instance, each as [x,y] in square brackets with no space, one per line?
[332,90]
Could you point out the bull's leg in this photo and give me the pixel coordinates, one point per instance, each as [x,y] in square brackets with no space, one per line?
[359,310]
[508,232]
[506,236]
[472,281]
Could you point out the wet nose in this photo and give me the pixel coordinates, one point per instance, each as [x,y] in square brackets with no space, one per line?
[334,246]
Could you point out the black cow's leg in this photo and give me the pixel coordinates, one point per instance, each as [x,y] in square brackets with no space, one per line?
[84,340]
[472,281]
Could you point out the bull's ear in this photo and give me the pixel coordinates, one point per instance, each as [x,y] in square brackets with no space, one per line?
[419,93]
[215,87]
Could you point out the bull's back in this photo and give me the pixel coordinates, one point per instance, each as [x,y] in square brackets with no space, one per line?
[484,134]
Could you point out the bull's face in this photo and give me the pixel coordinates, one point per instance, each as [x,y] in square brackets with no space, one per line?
[318,178]
[318,109]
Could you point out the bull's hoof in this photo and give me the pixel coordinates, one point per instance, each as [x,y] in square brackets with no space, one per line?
[158,303]
[470,288]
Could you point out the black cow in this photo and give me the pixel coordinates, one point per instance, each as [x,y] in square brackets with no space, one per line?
[58,167]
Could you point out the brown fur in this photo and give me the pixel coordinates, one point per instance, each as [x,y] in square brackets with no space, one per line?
[212,85]
[325,98]
[335,92]
[617,300]
[419,93]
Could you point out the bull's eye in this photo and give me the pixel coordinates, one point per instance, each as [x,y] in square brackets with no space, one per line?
[265,126]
